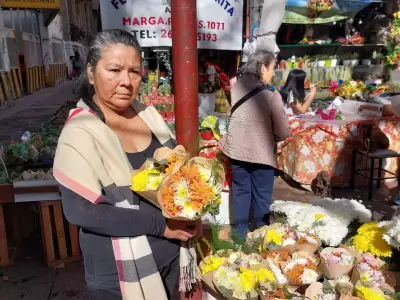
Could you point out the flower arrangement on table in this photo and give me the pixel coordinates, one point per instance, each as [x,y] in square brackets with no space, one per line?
[349,90]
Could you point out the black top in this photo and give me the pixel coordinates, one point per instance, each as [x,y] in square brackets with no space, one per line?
[101,221]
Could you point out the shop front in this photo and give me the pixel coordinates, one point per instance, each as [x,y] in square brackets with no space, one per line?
[24,66]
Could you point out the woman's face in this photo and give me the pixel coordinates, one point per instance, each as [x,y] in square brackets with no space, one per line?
[117,77]
[268,72]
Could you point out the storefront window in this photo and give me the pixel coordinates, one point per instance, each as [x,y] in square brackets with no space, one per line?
[26,21]
[8,20]
[35,23]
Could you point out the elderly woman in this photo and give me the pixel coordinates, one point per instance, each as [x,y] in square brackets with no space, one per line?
[130,250]
[258,121]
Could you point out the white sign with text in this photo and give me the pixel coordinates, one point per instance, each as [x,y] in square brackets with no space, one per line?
[219,22]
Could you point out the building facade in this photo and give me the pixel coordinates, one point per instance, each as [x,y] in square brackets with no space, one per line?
[38,40]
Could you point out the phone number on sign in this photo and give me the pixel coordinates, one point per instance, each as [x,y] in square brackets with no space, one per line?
[201,36]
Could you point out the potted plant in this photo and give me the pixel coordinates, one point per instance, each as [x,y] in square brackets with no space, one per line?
[322,60]
[169,111]
[366,62]
[205,132]
[348,59]
[333,61]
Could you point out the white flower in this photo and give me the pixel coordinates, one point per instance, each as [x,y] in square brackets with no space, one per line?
[309,276]
[333,227]
[392,234]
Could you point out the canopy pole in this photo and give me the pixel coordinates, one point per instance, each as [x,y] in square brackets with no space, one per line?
[185,73]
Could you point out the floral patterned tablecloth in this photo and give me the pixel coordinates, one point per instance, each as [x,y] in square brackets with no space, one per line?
[316,146]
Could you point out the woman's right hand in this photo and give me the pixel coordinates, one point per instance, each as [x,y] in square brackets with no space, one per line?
[180,230]
[314,88]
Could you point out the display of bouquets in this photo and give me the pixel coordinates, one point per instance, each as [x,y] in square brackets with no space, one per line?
[351,90]
[369,238]
[237,282]
[336,262]
[326,218]
[301,269]
[369,271]
[391,231]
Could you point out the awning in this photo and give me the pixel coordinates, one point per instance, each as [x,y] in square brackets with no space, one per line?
[30,4]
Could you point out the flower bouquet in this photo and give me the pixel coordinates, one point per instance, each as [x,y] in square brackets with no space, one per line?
[239,283]
[336,262]
[307,242]
[301,269]
[273,291]
[320,291]
[247,261]
[210,264]
[368,271]
[391,231]
[279,236]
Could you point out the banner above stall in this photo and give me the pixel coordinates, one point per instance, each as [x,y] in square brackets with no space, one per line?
[322,11]
[219,22]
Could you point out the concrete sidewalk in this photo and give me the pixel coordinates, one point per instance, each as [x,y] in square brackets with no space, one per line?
[33,110]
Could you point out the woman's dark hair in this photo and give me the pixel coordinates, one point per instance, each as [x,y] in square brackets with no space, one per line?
[83,89]
[294,84]
[255,62]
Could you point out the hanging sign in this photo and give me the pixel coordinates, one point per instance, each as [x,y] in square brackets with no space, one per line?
[219,22]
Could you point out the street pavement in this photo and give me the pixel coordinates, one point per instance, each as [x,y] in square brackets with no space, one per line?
[33,110]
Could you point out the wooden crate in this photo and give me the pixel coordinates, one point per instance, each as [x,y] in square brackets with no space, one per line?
[60,239]
[6,196]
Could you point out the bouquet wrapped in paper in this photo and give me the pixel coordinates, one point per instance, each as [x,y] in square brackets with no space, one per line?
[336,262]
[184,188]
[301,269]
[239,283]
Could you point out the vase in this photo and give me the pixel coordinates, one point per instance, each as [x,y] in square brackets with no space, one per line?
[207,135]
[328,63]
[314,64]
[321,63]
[207,104]
[334,62]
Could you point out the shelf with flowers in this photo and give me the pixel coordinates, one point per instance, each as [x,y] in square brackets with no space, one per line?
[330,249]
[160,97]
[393,48]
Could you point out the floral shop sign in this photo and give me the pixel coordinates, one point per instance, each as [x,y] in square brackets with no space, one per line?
[219,22]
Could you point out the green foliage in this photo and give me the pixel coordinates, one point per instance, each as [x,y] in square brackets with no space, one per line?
[234,243]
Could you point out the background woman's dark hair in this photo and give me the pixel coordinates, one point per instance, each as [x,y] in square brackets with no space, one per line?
[295,84]
[83,89]
[255,62]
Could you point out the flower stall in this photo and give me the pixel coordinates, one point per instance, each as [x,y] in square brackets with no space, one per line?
[330,249]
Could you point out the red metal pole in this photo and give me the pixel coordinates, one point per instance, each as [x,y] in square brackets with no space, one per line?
[185,73]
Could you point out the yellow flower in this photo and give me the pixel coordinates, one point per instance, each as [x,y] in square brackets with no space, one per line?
[319,217]
[369,238]
[247,280]
[265,275]
[274,237]
[140,181]
[368,294]
[212,264]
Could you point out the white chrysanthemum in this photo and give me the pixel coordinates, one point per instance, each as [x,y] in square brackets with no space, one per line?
[392,234]
[182,193]
[337,215]
[309,276]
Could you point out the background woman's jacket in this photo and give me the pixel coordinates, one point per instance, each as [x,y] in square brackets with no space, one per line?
[256,126]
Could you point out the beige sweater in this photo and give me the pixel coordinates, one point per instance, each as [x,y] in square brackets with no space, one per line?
[256,126]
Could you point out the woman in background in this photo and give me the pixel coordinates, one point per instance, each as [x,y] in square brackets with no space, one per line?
[293,94]
[258,121]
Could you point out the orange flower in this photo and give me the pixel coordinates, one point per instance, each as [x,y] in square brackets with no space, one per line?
[201,193]
[172,160]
